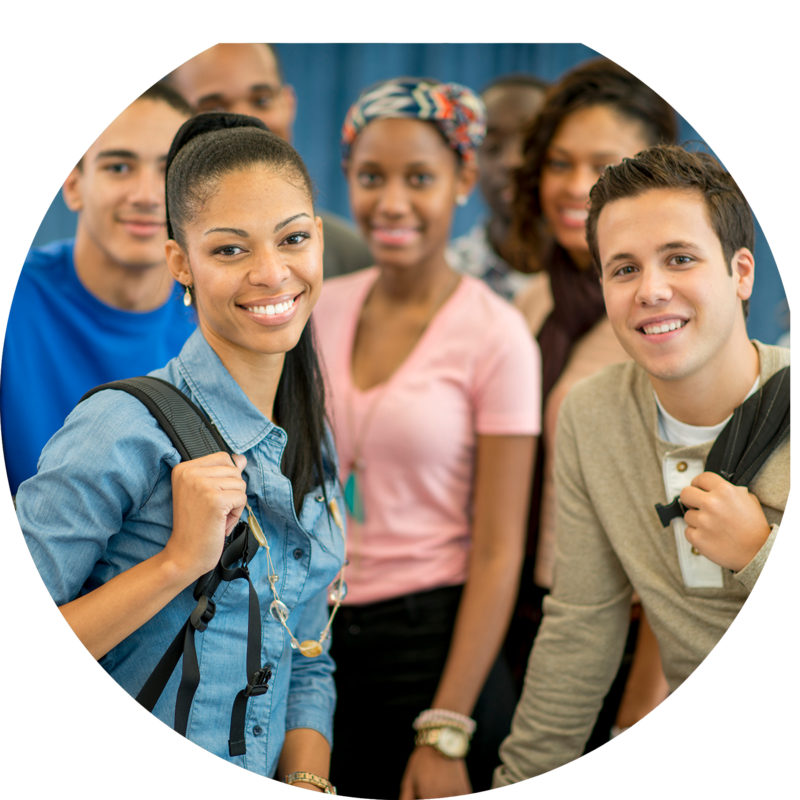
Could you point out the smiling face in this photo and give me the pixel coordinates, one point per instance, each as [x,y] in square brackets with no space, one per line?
[403,181]
[118,190]
[242,79]
[670,296]
[587,141]
[253,255]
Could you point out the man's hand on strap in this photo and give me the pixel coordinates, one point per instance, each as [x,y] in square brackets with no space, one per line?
[725,523]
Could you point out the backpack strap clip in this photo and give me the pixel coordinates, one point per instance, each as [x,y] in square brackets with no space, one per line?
[258,682]
[756,428]
[668,511]
[193,435]
[203,613]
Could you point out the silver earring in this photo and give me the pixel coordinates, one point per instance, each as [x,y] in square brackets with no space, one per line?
[461,200]
[187,295]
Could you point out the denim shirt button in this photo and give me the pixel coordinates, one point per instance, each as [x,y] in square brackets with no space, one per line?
[298,554]
[258,730]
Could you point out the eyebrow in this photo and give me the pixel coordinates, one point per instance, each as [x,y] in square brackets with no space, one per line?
[678,245]
[120,153]
[216,97]
[290,220]
[129,155]
[234,231]
[605,155]
[245,234]
[260,87]
[376,164]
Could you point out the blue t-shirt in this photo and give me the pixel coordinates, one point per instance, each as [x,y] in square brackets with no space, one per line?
[61,341]
[102,503]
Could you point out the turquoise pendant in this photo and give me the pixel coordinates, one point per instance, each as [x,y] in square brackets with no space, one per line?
[352,498]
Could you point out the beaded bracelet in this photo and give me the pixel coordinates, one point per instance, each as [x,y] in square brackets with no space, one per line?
[437,717]
[309,777]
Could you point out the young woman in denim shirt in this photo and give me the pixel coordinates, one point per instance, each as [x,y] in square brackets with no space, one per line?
[120,530]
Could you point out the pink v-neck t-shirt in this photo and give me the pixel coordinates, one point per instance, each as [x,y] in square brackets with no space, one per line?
[474,371]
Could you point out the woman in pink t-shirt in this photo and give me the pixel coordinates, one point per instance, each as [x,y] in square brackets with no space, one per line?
[433,388]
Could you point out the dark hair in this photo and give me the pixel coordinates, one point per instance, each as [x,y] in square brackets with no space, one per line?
[599,82]
[210,145]
[206,148]
[672,167]
[522,79]
[161,91]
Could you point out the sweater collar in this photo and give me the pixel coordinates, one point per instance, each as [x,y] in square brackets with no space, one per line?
[770,360]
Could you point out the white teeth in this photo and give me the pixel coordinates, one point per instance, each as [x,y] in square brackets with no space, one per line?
[665,327]
[271,310]
[579,215]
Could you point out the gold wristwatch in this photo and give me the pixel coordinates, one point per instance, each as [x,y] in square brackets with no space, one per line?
[449,741]
[315,780]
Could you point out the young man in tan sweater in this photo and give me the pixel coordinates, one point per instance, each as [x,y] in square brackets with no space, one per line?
[672,237]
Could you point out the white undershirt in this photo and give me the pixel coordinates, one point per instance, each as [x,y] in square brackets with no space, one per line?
[697,570]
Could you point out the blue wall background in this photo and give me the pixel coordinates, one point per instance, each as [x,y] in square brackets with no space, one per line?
[328,77]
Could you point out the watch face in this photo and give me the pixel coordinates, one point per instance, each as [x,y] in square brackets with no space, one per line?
[452,742]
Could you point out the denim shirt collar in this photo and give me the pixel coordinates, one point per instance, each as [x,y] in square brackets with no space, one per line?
[214,389]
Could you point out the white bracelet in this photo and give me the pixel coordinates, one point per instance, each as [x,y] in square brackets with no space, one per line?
[436,717]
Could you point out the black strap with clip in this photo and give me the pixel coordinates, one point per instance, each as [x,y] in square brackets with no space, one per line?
[758,426]
[194,435]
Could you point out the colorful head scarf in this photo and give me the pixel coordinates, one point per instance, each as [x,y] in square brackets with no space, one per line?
[456,110]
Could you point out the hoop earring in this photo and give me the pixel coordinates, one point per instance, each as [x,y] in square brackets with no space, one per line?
[187,295]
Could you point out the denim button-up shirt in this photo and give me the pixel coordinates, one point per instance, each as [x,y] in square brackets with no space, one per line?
[101,502]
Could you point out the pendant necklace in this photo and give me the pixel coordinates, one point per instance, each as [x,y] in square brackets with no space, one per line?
[353,498]
[278,609]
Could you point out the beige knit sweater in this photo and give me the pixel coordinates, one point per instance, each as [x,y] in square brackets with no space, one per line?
[609,543]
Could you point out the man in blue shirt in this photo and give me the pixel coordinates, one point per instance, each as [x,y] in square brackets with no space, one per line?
[101,306]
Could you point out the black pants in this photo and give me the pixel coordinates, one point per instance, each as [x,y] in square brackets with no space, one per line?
[389,659]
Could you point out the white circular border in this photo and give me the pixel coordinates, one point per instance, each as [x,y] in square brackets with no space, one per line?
[730,71]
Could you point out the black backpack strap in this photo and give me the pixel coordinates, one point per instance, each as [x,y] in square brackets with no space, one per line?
[189,428]
[257,676]
[194,435]
[757,427]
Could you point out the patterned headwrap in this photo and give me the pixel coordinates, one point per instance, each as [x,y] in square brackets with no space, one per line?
[456,110]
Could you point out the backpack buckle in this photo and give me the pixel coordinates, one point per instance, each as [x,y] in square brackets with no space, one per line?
[668,511]
[258,682]
[203,613]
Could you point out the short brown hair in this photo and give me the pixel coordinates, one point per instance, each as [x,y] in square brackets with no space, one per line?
[673,167]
